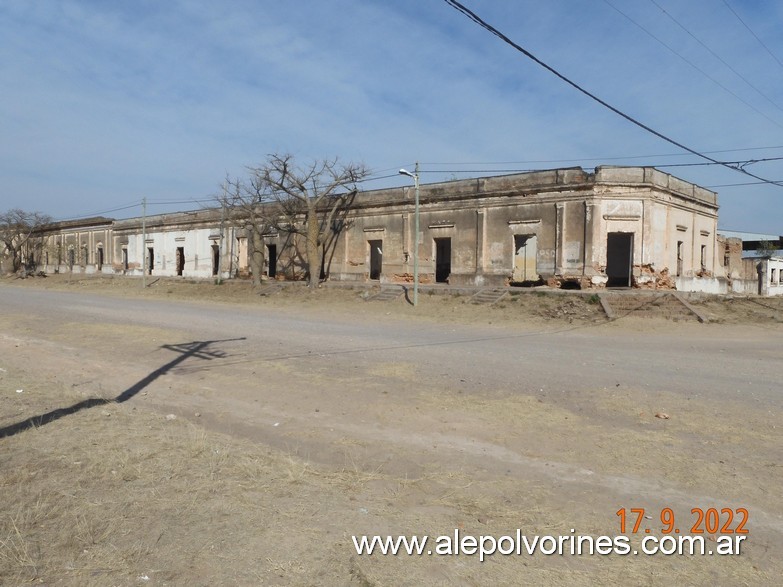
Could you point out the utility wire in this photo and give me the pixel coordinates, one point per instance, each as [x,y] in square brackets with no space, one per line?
[537,161]
[718,57]
[100,213]
[548,161]
[472,16]
[729,185]
[752,33]
[693,65]
[737,164]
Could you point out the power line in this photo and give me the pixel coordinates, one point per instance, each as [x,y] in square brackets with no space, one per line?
[187,201]
[472,16]
[547,161]
[102,212]
[371,178]
[718,57]
[729,185]
[693,65]
[740,164]
[752,33]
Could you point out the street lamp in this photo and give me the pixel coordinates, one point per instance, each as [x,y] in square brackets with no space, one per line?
[415,177]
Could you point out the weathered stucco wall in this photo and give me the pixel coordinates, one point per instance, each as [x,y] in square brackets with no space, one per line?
[632,226]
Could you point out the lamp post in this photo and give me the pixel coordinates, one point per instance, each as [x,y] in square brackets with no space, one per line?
[415,177]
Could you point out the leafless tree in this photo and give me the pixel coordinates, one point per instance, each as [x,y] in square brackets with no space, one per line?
[309,198]
[18,232]
[247,205]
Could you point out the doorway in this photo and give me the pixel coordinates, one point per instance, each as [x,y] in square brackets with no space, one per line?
[525,252]
[99,260]
[271,255]
[376,259]
[619,259]
[150,260]
[180,260]
[215,259]
[442,260]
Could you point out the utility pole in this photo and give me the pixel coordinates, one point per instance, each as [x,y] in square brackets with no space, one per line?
[416,241]
[415,177]
[144,243]
[220,245]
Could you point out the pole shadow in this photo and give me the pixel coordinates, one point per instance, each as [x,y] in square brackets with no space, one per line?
[198,349]
[408,299]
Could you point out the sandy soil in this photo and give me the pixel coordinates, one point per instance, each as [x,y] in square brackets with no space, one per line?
[253,459]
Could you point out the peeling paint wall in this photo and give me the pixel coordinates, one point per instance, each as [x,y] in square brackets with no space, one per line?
[570,213]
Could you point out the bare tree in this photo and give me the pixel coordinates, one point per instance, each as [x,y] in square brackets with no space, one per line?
[247,206]
[309,198]
[18,230]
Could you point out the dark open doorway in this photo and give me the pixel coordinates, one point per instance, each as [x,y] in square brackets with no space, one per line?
[215,259]
[271,255]
[619,259]
[180,260]
[99,258]
[150,260]
[442,259]
[376,258]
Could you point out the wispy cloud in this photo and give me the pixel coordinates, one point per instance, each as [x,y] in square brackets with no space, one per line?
[104,103]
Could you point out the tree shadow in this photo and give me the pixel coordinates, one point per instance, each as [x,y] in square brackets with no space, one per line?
[198,349]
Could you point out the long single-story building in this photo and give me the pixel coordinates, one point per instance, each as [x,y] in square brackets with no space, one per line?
[616,226]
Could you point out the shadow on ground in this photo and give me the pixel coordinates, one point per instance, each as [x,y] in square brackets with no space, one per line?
[199,349]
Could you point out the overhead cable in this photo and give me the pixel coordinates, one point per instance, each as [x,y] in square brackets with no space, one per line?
[752,33]
[693,65]
[476,19]
[718,57]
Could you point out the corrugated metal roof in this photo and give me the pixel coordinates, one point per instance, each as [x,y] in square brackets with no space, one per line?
[749,236]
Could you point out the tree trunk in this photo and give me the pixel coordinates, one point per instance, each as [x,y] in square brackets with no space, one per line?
[16,261]
[311,247]
[257,256]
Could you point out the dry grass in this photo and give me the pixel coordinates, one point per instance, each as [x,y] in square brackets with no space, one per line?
[120,496]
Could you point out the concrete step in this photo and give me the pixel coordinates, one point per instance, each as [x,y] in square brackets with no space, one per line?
[387,294]
[660,305]
[489,296]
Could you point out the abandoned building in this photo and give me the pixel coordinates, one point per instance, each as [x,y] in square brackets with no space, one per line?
[752,262]
[615,227]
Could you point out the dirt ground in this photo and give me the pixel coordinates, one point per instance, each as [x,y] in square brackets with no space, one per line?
[204,476]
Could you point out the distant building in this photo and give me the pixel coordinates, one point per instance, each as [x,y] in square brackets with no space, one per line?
[754,262]
[615,227]
[755,244]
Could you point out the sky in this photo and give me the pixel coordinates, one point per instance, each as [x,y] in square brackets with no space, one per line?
[104,103]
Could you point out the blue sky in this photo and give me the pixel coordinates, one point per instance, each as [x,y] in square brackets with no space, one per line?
[103,103]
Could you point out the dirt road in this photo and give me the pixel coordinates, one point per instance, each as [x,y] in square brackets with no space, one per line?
[547,427]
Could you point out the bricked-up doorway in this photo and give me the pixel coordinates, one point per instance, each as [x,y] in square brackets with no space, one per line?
[619,259]
[442,259]
[376,258]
